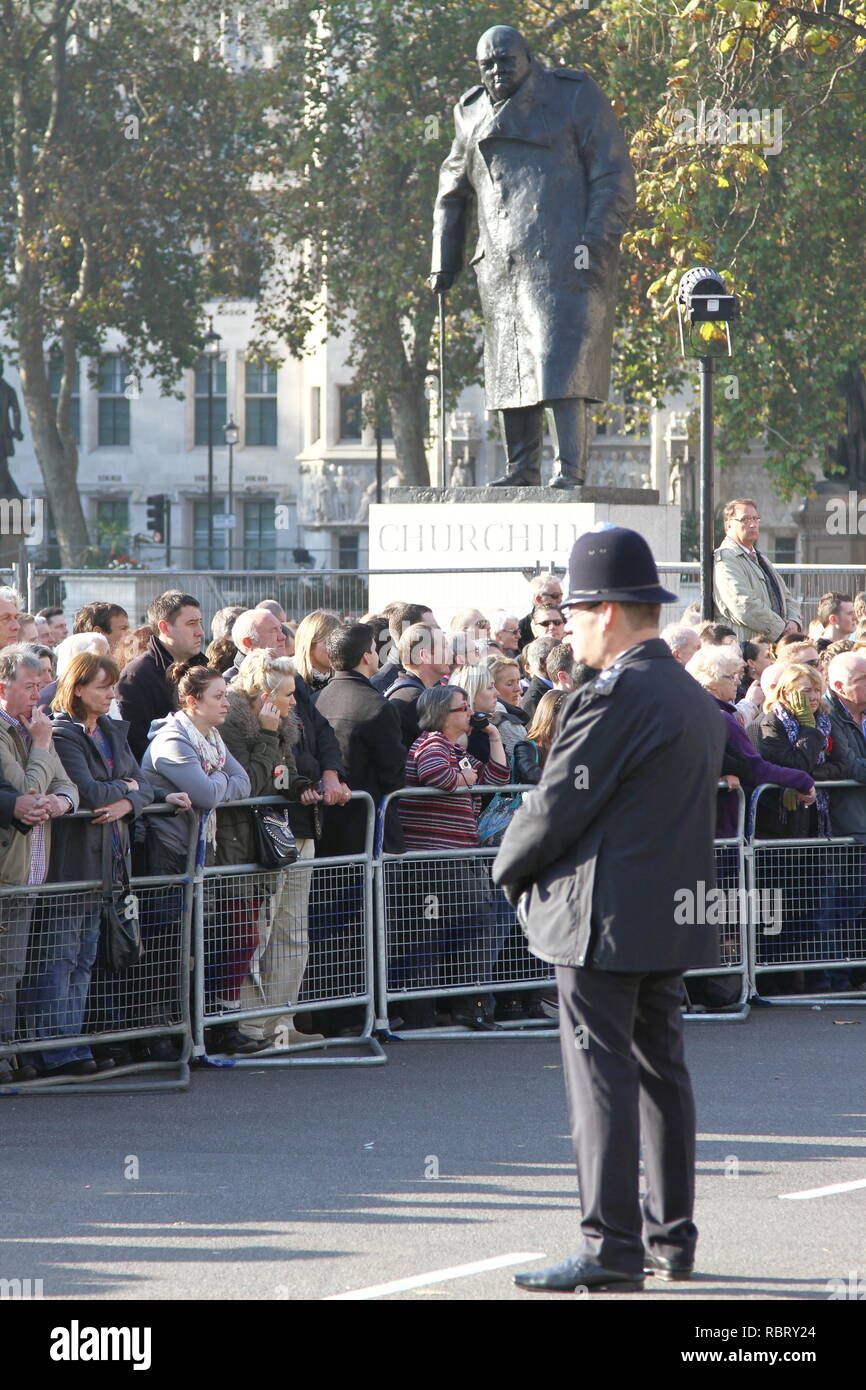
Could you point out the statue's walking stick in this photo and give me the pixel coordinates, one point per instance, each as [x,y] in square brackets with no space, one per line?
[443,479]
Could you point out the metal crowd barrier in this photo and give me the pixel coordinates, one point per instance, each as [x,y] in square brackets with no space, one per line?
[53,926]
[373,931]
[443,930]
[808,897]
[429,946]
[269,944]
[734,909]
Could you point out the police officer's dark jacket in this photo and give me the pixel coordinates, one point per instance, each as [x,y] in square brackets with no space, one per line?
[620,830]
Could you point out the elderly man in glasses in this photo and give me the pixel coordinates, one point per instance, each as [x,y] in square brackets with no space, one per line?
[748,592]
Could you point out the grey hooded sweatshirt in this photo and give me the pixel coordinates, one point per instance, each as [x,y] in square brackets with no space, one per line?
[171,762]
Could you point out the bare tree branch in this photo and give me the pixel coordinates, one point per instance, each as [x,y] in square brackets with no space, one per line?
[825,19]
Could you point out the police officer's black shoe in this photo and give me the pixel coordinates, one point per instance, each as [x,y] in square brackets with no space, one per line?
[577,1273]
[673,1267]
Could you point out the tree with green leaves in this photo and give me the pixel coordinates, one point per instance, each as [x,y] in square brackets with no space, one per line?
[773,203]
[364,93]
[123,142]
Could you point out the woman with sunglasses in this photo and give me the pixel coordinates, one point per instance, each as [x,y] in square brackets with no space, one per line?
[468,931]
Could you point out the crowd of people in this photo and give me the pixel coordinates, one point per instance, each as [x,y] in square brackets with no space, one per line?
[114,719]
[795,714]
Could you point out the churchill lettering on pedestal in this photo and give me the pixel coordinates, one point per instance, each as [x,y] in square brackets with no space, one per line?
[540,152]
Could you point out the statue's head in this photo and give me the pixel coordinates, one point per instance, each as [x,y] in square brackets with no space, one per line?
[503,58]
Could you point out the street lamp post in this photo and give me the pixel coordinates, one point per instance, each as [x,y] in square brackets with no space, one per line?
[231,434]
[705,306]
[212,342]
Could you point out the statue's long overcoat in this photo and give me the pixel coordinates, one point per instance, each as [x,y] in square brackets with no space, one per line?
[10,419]
[550,173]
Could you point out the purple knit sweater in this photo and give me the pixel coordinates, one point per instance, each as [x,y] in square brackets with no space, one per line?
[760,771]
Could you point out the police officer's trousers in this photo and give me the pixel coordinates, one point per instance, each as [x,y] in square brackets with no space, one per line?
[626,1080]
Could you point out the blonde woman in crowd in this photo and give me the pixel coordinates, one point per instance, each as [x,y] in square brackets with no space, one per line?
[261,731]
[311,656]
[509,718]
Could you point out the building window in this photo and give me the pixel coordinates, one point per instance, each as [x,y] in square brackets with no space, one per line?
[261,403]
[347,556]
[315,414]
[785,550]
[55,372]
[113,403]
[350,413]
[260,536]
[219,401]
[201,559]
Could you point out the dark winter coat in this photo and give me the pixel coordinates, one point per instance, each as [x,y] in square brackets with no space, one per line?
[316,751]
[774,746]
[537,687]
[548,171]
[76,847]
[8,797]
[368,729]
[527,766]
[848,805]
[622,823]
[403,694]
[144,694]
[386,676]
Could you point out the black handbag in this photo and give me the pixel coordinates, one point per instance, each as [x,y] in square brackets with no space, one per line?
[275,840]
[120,945]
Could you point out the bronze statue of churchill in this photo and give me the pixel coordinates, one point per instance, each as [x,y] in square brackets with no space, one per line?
[539,151]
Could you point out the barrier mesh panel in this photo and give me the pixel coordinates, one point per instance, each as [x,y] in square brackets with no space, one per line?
[810,904]
[448,926]
[283,937]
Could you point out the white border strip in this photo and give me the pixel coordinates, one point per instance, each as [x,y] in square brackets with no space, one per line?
[437,1276]
[822,1191]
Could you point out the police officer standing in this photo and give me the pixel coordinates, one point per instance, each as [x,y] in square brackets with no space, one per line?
[597,860]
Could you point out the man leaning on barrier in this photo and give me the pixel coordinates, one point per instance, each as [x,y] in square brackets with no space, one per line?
[27,761]
[621,822]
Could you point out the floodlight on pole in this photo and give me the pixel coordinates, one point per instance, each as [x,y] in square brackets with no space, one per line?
[706,308]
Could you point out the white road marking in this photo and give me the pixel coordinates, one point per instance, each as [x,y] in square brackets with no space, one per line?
[437,1276]
[838,1140]
[822,1191]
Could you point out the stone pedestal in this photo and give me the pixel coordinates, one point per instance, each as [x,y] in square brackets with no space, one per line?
[833,526]
[476,547]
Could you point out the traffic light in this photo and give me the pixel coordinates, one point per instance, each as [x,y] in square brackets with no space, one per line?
[156,515]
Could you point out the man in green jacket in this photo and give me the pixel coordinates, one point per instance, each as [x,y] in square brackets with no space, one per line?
[748,592]
[27,761]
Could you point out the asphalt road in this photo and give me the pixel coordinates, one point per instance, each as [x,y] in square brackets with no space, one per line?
[310,1184]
